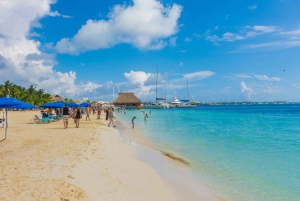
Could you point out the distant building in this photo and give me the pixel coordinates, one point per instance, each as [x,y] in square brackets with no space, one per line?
[127,99]
[56,98]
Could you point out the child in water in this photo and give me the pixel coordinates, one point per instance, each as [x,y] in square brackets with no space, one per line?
[145,117]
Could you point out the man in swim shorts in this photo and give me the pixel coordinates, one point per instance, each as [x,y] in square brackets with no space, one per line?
[66,116]
[99,108]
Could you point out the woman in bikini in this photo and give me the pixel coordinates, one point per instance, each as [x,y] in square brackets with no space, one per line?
[110,117]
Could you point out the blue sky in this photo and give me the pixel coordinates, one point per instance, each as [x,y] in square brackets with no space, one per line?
[227,50]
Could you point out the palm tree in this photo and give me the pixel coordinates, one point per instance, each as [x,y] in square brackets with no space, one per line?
[7,86]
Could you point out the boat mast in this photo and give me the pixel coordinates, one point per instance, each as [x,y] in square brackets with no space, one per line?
[156,83]
[187,84]
[165,92]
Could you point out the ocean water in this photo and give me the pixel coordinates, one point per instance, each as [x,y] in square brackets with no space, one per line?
[243,152]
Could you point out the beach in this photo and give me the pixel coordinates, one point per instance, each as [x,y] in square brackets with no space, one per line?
[93,162]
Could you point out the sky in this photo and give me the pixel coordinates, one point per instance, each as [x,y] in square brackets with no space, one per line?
[223,50]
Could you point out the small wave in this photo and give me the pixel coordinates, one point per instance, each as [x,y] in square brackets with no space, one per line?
[175,157]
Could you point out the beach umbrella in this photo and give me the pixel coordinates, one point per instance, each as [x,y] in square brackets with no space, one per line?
[23,105]
[12,103]
[85,104]
[7,102]
[72,105]
[58,104]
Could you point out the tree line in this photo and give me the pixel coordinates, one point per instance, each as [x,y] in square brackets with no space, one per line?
[30,95]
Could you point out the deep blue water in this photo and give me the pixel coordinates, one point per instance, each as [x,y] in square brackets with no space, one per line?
[243,152]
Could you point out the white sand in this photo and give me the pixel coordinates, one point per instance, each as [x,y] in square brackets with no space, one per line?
[47,162]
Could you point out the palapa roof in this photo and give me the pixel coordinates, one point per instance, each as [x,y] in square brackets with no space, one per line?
[78,101]
[127,98]
[56,98]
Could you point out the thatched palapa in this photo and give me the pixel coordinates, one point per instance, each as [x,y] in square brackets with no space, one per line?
[56,98]
[127,99]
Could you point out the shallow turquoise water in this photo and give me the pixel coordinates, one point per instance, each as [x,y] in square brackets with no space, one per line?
[247,152]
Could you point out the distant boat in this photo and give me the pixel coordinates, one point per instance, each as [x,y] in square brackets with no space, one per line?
[185,103]
[156,105]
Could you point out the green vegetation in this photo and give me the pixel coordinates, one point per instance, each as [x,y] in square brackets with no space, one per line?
[69,100]
[30,95]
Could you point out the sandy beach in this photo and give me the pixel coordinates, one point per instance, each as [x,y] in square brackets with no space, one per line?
[93,162]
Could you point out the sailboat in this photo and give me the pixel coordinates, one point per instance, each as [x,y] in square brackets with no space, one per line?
[156,105]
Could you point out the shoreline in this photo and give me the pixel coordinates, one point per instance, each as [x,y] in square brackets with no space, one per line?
[173,168]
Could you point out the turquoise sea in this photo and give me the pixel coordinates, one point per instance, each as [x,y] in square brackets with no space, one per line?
[243,152]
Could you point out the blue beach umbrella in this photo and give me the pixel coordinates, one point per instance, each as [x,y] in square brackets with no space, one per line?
[59,104]
[85,104]
[7,102]
[12,103]
[23,105]
[72,105]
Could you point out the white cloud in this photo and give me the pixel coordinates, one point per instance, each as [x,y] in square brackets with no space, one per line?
[296,32]
[90,87]
[173,41]
[271,89]
[137,77]
[264,29]
[21,60]
[246,91]
[57,14]
[145,25]
[34,34]
[264,77]
[242,75]
[253,7]
[196,76]
[187,39]
[247,32]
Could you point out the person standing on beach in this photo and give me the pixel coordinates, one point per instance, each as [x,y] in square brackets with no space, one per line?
[132,120]
[106,112]
[99,108]
[88,110]
[66,116]
[110,116]
[78,115]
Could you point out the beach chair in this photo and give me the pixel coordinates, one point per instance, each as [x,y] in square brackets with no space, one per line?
[37,120]
[2,123]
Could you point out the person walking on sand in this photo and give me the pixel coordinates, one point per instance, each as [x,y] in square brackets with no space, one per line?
[78,115]
[88,111]
[94,109]
[133,121]
[66,116]
[110,117]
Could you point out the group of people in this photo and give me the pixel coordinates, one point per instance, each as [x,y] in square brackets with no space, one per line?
[76,114]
